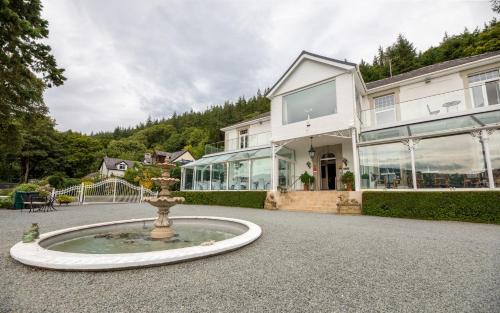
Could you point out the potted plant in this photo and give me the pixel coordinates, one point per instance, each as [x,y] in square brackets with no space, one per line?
[365,180]
[307,180]
[348,180]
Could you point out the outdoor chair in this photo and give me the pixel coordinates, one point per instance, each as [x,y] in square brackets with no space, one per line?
[432,112]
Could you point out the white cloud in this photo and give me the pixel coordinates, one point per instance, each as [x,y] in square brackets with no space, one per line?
[126,60]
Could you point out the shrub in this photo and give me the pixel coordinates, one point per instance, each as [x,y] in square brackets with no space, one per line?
[27,187]
[467,206]
[68,182]
[6,203]
[56,181]
[246,199]
[64,199]
[348,180]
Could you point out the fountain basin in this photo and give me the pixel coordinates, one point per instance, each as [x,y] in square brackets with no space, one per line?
[227,234]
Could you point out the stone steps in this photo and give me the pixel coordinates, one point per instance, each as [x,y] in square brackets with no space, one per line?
[310,201]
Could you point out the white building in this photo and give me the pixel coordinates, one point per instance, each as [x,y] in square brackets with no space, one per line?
[434,127]
[112,167]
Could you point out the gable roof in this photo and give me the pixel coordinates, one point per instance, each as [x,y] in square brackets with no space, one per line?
[171,155]
[430,69]
[265,115]
[111,163]
[177,154]
[306,53]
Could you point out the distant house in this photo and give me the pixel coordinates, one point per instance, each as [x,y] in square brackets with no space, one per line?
[182,156]
[114,167]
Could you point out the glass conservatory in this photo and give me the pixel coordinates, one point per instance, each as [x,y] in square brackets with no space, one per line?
[244,170]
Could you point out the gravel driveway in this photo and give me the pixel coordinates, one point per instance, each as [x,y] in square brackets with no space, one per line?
[304,262]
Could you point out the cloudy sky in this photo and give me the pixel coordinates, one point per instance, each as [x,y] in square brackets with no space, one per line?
[127,60]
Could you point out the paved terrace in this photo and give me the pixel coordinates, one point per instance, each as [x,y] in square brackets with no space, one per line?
[304,262]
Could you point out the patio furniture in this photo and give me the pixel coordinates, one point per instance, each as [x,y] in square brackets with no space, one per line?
[472,181]
[441,180]
[36,203]
[450,104]
[431,112]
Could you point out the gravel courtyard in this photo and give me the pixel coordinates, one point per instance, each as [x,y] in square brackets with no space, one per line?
[304,262]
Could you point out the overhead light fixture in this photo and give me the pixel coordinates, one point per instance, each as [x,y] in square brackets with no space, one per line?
[311,151]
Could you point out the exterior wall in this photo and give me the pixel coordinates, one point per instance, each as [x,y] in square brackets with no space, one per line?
[231,136]
[414,99]
[307,73]
[105,172]
[185,157]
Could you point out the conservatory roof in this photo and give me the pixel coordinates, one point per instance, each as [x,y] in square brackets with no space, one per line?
[233,156]
[430,128]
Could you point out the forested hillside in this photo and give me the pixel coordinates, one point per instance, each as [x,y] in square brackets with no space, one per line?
[31,147]
[402,56]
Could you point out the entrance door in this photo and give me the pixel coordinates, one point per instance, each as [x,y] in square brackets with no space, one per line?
[328,174]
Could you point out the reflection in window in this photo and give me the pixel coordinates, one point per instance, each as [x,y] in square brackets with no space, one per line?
[452,161]
[202,177]
[385,166]
[284,173]
[494,143]
[318,101]
[394,132]
[188,179]
[238,175]
[261,174]
[219,176]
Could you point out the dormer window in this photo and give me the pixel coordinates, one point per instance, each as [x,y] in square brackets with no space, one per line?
[122,166]
[243,138]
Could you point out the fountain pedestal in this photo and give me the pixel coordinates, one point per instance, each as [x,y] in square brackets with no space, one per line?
[164,201]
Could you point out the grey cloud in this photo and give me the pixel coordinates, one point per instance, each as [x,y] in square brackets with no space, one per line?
[127,60]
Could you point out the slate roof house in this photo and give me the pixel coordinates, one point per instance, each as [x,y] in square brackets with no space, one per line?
[437,127]
[182,156]
[113,167]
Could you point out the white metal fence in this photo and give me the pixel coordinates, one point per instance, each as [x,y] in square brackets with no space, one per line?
[111,190]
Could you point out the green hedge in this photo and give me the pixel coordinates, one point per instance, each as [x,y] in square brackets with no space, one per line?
[246,199]
[467,206]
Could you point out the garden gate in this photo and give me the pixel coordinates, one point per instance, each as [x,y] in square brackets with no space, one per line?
[111,190]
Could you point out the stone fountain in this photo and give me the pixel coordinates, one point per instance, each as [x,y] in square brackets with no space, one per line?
[164,201]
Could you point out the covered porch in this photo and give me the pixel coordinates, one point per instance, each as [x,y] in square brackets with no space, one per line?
[326,156]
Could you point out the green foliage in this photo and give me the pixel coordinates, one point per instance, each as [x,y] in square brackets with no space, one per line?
[27,70]
[246,199]
[348,178]
[56,181]
[403,56]
[176,173]
[467,206]
[306,178]
[27,187]
[141,175]
[64,199]
[6,203]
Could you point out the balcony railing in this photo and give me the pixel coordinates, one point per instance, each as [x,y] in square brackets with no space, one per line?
[437,105]
[253,140]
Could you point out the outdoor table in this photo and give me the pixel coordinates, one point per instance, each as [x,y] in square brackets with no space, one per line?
[450,104]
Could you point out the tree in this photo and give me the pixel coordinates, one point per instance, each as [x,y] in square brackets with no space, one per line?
[495,6]
[38,140]
[27,67]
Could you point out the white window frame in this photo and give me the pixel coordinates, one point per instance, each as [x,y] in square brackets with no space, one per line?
[482,83]
[122,166]
[243,138]
[384,110]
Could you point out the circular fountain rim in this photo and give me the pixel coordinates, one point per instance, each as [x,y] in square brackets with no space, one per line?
[33,254]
